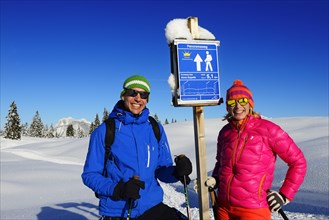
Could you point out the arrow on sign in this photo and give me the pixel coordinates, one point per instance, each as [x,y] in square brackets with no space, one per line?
[198,61]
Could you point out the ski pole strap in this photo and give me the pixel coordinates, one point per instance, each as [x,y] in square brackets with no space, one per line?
[213,199]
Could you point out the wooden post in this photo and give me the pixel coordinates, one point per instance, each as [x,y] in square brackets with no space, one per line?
[200,143]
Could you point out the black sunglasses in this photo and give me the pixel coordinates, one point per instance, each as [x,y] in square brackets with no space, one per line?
[134,93]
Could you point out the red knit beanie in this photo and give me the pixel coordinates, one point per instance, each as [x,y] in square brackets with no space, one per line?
[238,90]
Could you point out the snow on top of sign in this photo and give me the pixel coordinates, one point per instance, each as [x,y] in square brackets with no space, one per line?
[172,83]
[177,28]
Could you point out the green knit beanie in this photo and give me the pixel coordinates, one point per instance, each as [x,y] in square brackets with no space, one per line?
[136,81]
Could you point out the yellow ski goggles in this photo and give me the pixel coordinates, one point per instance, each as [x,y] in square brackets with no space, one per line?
[241,101]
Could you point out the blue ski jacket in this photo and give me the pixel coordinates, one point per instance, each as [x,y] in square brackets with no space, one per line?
[135,151]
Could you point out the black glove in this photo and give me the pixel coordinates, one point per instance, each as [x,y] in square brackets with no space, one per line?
[128,190]
[183,168]
[276,200]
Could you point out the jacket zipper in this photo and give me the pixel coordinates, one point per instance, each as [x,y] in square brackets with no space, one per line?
[235,159]
[148,155]
[261,186]
[137,155]
[235,148]
[240,152]
[228,188]
[233,166]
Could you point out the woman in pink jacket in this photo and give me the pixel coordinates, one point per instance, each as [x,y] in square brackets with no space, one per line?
[247,148]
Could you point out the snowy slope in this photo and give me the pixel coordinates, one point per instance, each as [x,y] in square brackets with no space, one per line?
[40,178]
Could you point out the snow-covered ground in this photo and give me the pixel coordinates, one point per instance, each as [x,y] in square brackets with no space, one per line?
[40,178]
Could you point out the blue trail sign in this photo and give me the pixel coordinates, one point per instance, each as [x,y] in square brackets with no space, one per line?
[197,72]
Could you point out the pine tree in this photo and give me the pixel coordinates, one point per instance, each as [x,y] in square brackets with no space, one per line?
[156,117]
[94,124]
[80,133]
[12,127]
[92,128]
[36,127]
[25,129]
[97,121]
[70,131]
[105,115]
[45,130]
[57,135]
[51,132]
[166,122]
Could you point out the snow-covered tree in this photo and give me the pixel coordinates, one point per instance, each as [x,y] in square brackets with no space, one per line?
[70,131]
[25,129]
[105,115]
[80,132]
[51,132]
[57,135]
[45,130]
[36,127]
[13,127]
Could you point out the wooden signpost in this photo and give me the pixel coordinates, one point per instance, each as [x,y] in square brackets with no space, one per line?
[198,86]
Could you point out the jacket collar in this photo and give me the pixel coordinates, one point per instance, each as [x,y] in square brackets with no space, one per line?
[126,117]
[240,125]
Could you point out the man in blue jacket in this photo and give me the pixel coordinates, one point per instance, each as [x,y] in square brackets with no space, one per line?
[137,161]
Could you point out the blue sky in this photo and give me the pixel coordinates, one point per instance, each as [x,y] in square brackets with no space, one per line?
[70,58]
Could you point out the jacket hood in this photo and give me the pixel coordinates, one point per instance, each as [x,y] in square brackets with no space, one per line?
[126,117]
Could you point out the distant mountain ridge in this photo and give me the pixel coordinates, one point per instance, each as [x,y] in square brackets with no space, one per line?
[61,126]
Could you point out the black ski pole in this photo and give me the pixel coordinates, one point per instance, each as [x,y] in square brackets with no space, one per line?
[186,199]
[131,201]
[185,189]
[284,216]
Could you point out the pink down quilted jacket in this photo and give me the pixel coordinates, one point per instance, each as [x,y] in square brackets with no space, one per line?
[246,161]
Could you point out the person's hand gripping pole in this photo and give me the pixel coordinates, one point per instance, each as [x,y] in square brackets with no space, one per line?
[182,170]
[131,200]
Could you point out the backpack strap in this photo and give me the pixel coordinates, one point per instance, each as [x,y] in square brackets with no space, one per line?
[155,127]
[110,133]
[109,138]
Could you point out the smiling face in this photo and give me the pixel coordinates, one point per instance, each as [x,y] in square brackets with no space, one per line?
[134,104]
[238,111]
